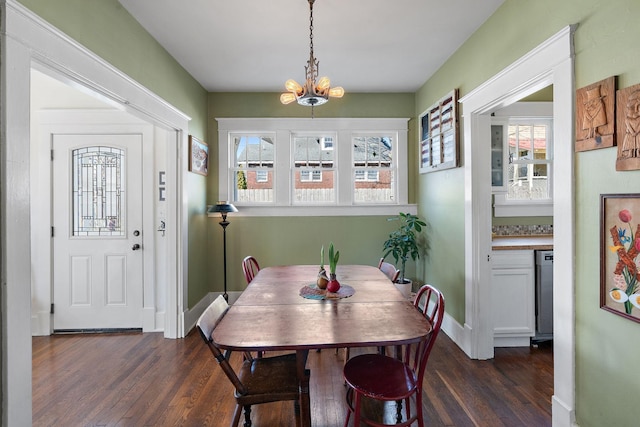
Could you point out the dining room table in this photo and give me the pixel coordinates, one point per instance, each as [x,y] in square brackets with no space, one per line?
[282,309]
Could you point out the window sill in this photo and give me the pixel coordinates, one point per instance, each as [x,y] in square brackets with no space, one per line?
[311,211]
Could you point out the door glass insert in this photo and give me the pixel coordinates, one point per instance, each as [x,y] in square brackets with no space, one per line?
[98,191]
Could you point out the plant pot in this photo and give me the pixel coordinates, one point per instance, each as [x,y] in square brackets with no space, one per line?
[405,288]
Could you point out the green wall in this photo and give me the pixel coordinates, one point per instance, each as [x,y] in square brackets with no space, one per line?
[291,240]
[606,44]
[108,30]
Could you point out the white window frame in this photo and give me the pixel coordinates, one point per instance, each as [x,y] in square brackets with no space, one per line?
[344,129]
[526,113]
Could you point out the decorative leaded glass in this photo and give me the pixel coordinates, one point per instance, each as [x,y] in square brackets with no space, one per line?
[98,192]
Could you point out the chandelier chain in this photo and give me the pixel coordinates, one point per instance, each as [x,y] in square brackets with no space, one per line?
[311,25]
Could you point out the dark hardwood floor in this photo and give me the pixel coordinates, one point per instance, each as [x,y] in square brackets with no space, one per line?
[146,380]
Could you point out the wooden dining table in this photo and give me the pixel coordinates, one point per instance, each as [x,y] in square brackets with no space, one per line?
[271,315]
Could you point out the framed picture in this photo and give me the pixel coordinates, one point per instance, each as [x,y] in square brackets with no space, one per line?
[198,156]
[439,141]
[619,249]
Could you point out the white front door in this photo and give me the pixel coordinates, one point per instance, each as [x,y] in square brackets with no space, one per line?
[97,234]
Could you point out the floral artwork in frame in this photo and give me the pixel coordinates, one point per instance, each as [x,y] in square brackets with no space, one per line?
[198,156]
[619,250]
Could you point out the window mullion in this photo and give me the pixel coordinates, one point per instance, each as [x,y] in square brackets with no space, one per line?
[343,168]
[281,170]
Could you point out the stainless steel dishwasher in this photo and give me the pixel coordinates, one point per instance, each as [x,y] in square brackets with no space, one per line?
[544,296]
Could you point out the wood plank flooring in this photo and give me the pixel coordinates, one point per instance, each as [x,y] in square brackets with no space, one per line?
[146,380]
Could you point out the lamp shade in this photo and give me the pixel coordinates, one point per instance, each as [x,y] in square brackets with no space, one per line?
[223,207]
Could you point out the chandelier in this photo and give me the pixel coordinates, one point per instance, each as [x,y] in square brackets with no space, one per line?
[312,93]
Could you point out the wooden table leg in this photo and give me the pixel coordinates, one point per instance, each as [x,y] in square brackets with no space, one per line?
[303,378]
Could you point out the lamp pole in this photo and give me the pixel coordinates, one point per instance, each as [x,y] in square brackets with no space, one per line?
[224,223]
[223,208]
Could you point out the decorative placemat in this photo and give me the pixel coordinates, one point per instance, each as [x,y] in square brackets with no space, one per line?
[313,292]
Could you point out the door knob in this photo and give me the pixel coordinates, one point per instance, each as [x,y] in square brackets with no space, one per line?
[135,247]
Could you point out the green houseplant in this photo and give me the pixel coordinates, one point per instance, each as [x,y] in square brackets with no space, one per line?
[402,243]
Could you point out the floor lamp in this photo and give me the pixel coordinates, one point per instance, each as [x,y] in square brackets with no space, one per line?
[223,208]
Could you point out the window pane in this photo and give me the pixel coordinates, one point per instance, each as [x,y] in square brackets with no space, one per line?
[372,151]
[253,186]
[374,185]
[314,186]
[98,192]
[528,182]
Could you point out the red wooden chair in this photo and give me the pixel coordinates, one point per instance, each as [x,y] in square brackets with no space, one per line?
[250,268]
[269,379]
[384,378]
[389,269]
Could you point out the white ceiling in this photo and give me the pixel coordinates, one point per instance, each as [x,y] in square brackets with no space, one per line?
[362,45]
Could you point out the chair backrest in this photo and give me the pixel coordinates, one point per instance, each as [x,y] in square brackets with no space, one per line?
[389,269]
[206,325]
[430,302]
[250,268]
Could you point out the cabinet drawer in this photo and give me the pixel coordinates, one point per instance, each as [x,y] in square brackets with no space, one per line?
[512,259]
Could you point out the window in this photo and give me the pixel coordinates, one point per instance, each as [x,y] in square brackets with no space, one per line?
[367,175]
[252,168]
[373,168]
[522,159]
[334,163]
[310,175]
[262,176]
[310,159]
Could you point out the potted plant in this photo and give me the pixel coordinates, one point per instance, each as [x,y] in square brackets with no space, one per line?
[333,285]
[402,243]
[322,274]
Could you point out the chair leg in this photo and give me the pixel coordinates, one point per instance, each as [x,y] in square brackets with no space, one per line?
[357,409]
[236,416]
[349,398]
[247,416]
[419,408]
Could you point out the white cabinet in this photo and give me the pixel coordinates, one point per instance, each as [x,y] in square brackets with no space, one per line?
[512,297]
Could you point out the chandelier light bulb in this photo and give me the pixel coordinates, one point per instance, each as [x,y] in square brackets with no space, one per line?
[293,86]
[336,92]
[324,83]
[287,98]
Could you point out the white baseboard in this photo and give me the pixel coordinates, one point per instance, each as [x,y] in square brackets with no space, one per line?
[461,335]
[561,414]
[41,324]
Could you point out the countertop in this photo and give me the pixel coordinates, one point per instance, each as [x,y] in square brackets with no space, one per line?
[529,242]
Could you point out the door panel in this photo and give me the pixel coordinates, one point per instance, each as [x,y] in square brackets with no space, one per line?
[97,217]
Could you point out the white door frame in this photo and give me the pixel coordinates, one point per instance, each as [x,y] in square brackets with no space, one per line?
[26,39]
[550,63]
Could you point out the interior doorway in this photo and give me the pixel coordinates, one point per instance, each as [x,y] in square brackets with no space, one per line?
[551,63]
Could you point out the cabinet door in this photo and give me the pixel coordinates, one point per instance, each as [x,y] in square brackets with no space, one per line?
[513,296]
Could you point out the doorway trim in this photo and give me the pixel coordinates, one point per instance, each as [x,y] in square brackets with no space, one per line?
[551,63]
[27,40]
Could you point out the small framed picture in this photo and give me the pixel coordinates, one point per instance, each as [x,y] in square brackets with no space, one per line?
[198,156]
[619,250]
